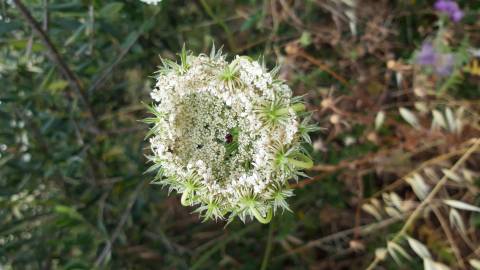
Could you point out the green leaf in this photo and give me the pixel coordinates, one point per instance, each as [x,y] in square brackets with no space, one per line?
[111,10]
[68,211]
[57,86]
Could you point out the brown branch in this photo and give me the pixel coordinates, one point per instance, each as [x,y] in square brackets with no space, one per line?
[294,50]
[427,201]
[363,230]
[450,237]
[55,56]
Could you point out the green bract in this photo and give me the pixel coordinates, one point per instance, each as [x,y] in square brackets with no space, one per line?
[227,136]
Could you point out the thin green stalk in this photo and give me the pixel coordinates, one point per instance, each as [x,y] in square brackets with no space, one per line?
[259,216]
[220,22]
[204,257]
[268,249]
[184,199]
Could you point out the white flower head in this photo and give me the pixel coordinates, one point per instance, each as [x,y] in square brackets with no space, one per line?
[226,135]
[151,2]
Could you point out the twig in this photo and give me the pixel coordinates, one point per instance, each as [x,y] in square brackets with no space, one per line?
[450,238]
[328,169]
[118,229]
[416,213]
[430,162]
[46,18]
[322,66]
[55,57]
[366,229]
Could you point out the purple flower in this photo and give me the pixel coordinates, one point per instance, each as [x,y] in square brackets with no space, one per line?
[457,15]
[427,55]
[441,63]
[444,64]
[450,8]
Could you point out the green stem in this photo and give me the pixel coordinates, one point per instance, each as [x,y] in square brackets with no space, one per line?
[298,107]
[268,249]
[307,164]
[231,236]
[184,200]
[260,218]
[220,22]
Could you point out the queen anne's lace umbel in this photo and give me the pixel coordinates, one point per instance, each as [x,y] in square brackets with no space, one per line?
[151,2]
[227,136]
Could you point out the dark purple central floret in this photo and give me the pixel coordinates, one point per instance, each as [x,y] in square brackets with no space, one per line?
[228,138]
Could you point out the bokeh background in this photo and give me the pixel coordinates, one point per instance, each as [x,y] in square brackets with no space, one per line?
[73,192]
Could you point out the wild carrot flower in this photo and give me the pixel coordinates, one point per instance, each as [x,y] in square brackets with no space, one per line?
[227,136]
[450,8]
[151,2]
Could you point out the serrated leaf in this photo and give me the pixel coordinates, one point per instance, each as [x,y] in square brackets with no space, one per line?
[419,248]
[409,117]
[462,205]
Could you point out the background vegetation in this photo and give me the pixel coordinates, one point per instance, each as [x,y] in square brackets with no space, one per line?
[73,193]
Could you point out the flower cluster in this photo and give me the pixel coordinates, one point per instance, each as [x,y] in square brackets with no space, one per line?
[227,136]
[441,63]
[450,8]
[151,2]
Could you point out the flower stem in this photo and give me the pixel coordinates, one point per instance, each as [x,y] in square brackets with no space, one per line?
[268,249]
[307,164]
[184,200]
[260,218]
[221,23]
[298,107]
